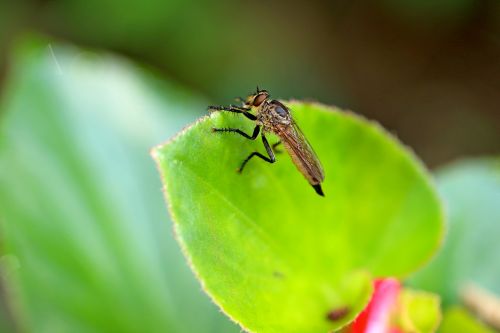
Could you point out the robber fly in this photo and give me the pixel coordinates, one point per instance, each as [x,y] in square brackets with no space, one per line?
[272,116]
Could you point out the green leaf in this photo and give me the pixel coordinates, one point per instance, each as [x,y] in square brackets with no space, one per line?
[80,200]
[457,319]
[274,255]
[472,193]
[421,312]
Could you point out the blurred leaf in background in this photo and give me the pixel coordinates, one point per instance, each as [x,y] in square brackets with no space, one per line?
[86,244]
[471,190]
[421,311]
[457,319]
[417,66]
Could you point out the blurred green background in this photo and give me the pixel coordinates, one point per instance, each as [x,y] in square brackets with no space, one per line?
[428,71]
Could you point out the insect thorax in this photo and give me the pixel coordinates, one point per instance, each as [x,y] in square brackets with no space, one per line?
[272,115]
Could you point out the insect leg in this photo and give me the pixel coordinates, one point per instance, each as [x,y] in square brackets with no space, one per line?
[234,109]
[276,145]
[270,159]
[254,135]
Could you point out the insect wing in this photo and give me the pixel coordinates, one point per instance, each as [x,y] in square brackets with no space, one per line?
[301,152]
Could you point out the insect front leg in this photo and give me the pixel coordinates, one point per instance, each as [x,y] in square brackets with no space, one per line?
[256,131]
[269,150]
[234,109]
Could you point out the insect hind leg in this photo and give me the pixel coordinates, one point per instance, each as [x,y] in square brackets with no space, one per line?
[255,153]
[275,147]
[270,159]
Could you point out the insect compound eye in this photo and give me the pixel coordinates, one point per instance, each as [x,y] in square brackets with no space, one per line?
[260,98]
[281,110]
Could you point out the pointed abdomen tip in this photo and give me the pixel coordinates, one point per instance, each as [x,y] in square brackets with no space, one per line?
[318,189]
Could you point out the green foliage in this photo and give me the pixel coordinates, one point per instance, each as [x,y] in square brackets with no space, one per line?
[275,256]
[457,319]
[80,201]
[421,311]
[472,193]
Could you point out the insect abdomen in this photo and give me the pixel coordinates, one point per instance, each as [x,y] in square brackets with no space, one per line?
[309,169]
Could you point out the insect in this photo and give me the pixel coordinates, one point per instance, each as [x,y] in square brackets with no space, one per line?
[272,116]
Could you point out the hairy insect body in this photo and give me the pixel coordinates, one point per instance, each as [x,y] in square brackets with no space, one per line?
[274,117]
[269,117]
